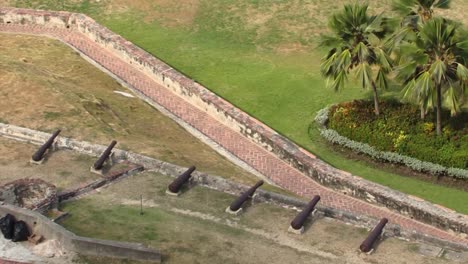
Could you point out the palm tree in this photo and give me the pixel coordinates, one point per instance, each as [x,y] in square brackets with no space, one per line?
[415,13]
[435,66]
[356,45]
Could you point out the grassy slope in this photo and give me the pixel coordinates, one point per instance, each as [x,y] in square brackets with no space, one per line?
[252,64]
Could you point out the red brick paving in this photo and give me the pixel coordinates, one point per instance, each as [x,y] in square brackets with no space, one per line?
[269,165]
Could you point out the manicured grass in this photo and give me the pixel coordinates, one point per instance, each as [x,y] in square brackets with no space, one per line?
[244,61]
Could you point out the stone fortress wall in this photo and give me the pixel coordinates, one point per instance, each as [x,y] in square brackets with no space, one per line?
[234,118]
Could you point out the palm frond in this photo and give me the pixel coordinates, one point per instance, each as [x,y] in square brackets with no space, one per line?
[339,81]
[438,71]
[423,85]
[463,45]
[462,72]
[409,92]
[328,63]
[452,100]
[330,41]
[343,60]
[364,75]
[383,60]
[374,24]
[381,80]
[403,7]
[362,52]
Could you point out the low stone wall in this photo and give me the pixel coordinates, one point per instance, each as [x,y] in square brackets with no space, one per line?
[43,226]
[105,180]
[35,17]
[210,181]
[241,122]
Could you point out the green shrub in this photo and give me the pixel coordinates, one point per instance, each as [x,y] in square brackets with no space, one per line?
[397,136]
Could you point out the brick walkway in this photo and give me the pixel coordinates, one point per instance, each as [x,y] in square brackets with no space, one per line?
[269,165]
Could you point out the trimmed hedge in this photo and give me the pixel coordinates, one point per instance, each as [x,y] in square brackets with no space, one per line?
[322,118]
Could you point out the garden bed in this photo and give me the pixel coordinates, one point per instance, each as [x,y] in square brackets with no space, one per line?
[398,135]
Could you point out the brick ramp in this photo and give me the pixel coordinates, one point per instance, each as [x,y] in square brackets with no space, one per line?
[263,161]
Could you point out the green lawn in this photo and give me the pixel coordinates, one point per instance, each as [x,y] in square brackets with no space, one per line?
[262,57]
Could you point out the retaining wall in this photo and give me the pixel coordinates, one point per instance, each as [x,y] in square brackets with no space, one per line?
[239,121]
[41,225]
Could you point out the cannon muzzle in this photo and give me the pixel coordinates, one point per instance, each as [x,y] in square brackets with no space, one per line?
[236,205]
[105,155]
[39,155]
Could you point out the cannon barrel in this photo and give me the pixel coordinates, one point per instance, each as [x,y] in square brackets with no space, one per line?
[236,205]
[299,220]
[367,244]
[105,155]
[41,151]
[175,186]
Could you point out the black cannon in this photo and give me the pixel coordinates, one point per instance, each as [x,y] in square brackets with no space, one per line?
[176,185]
[236,205]
[368,244]
[298,223]
[105,155]
[39,155]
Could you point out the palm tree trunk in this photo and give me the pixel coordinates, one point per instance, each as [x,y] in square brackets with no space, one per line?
[439,109]
[376,99]
[423,112]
